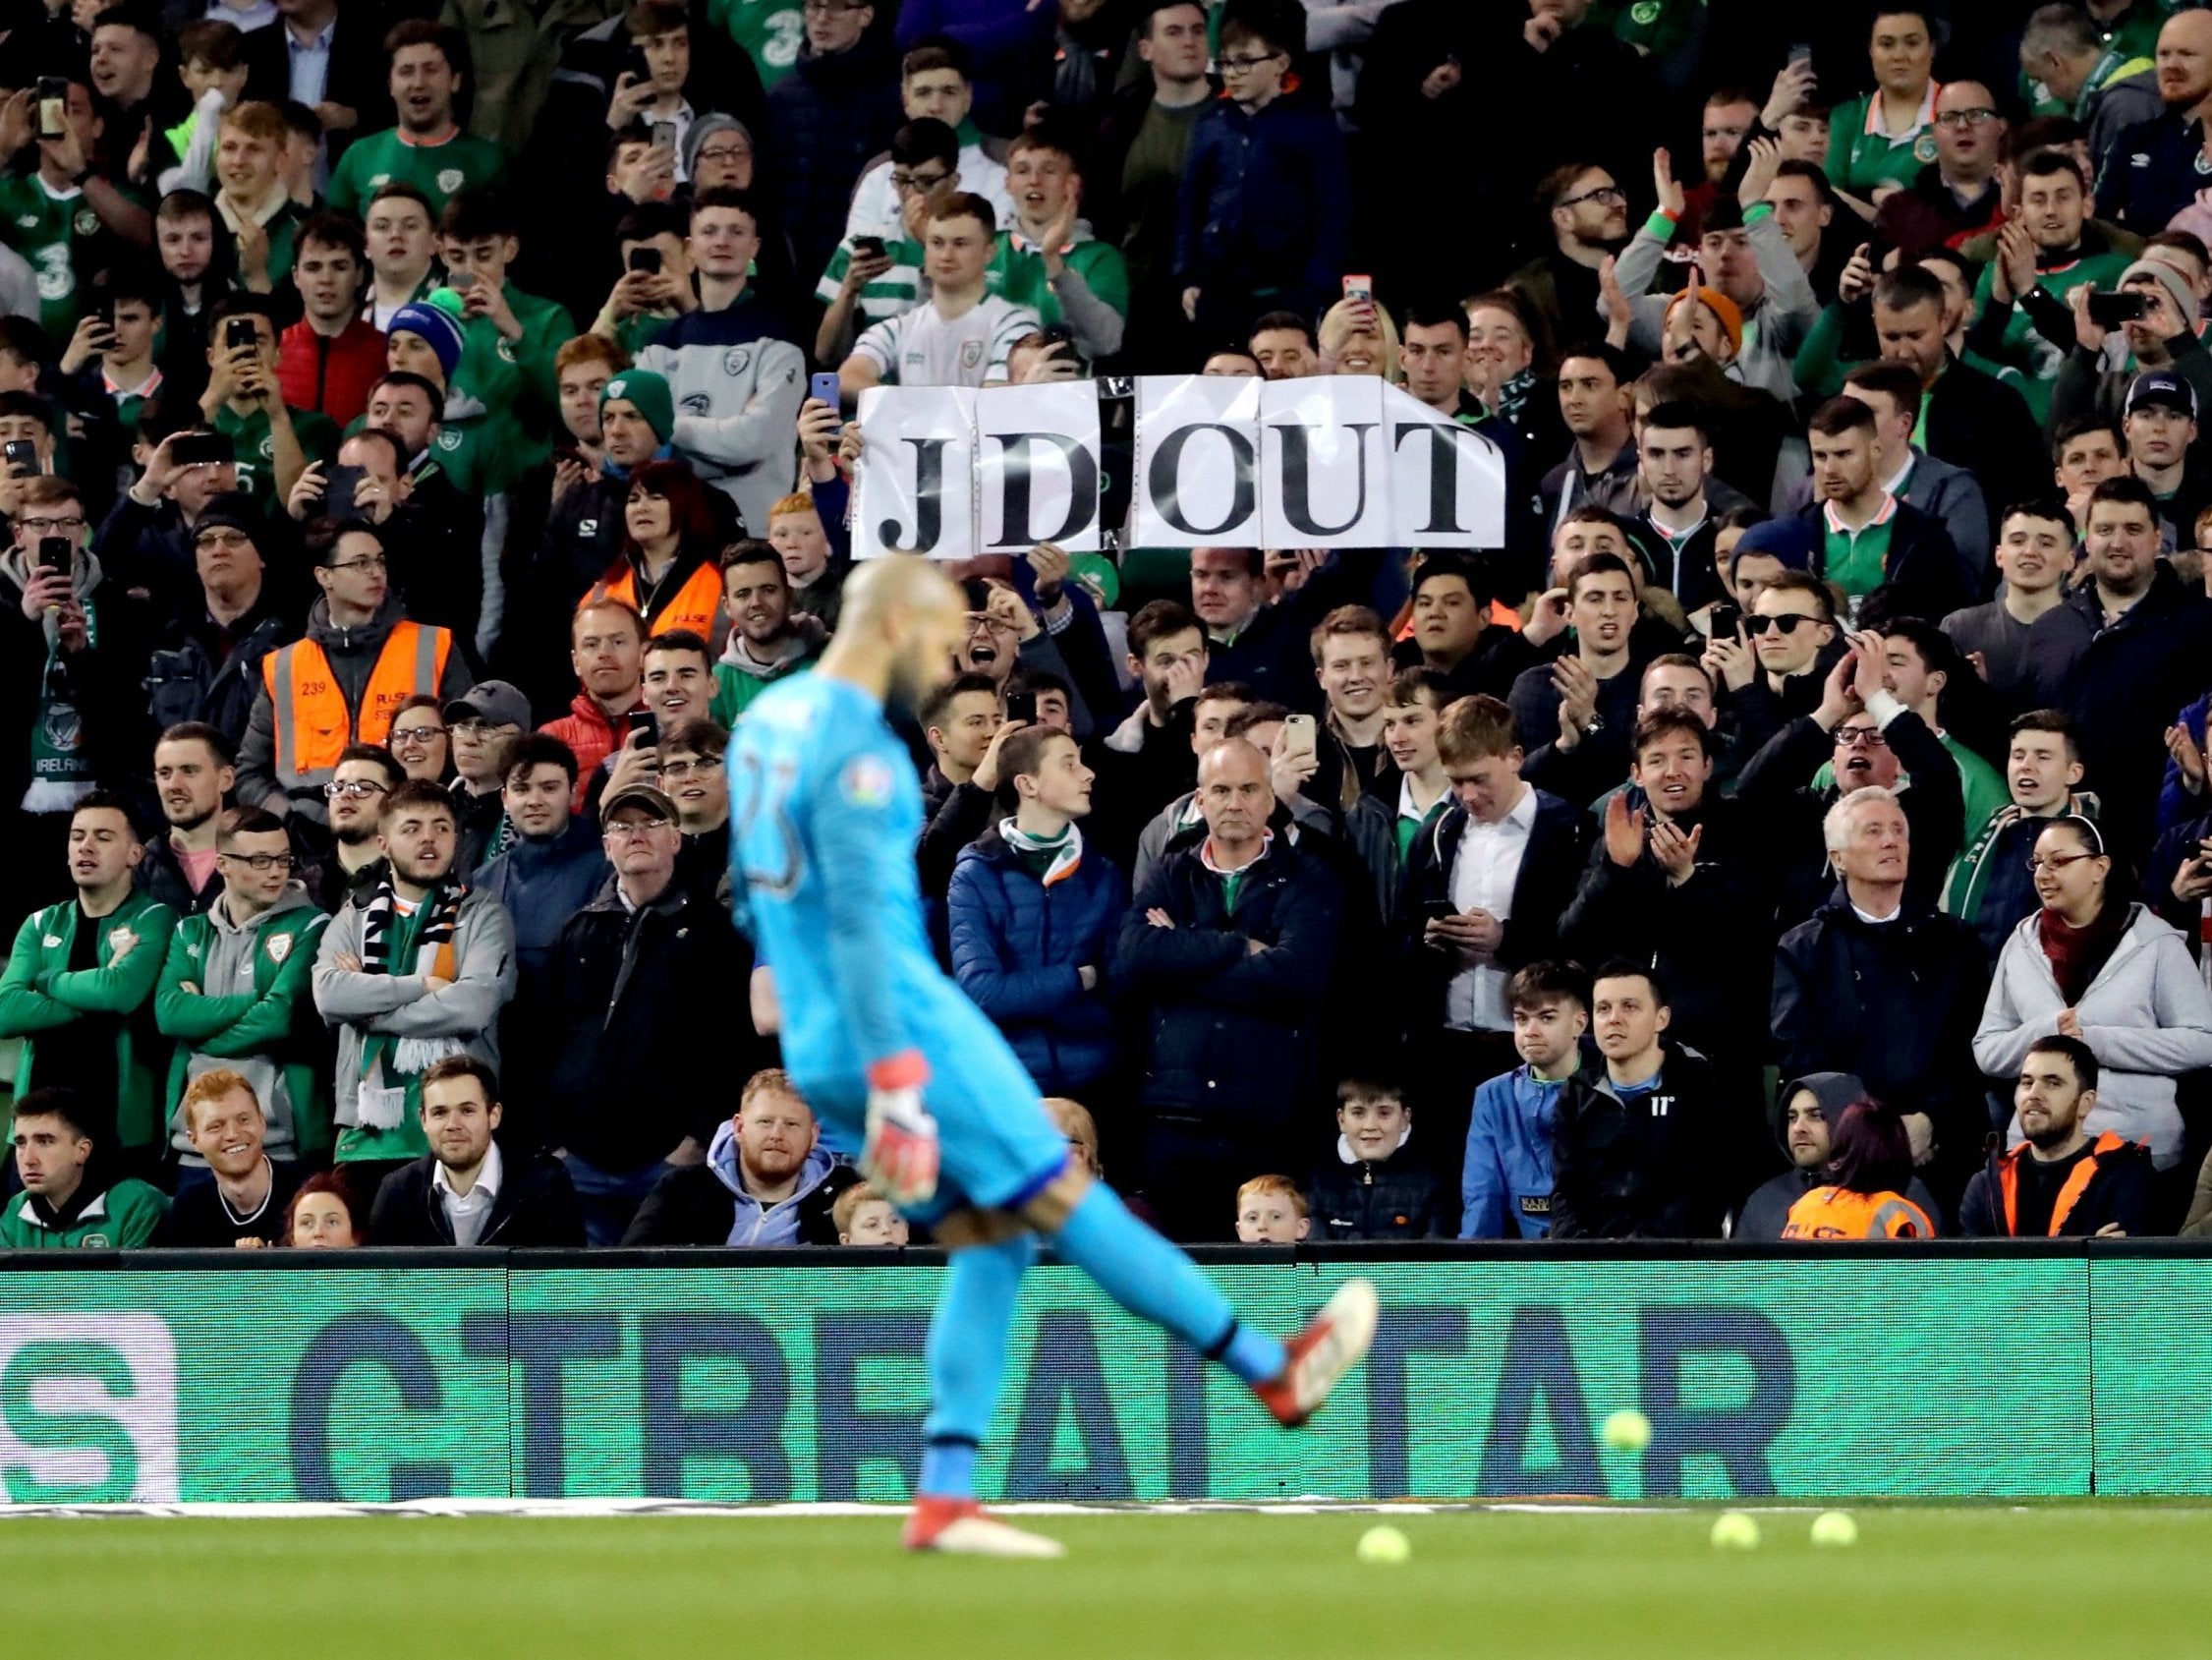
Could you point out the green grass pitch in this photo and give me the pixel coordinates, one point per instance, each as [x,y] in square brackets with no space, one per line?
[2072,1581]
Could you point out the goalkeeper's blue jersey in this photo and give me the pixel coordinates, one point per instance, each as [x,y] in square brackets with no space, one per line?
[824,814]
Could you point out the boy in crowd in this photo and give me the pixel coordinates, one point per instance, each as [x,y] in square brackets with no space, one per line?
[864,1217]
[1505,1186]
[1270,1211]
[1371,1191]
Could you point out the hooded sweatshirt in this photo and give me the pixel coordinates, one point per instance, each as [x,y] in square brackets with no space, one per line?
[1764,1213]
[251,1015]
[756,1223]
[740,676]
[62,766]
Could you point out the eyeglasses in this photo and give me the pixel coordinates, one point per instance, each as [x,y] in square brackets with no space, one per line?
[633,831]
[1238,66]
[983,622]
[1787,623]
[222,537]
[368,562]
[1965,118]
[1611,195]
[416,734]
[673,771]
[735,152]
[356,788]
[1860,737]
[53,527]
[2037,862]
[481,728]
[905,181]
[260,863]
[827,5]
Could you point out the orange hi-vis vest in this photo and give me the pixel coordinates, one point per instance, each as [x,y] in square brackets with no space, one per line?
[695,607]
[314,726]
[2076,1182]
[1838,1213]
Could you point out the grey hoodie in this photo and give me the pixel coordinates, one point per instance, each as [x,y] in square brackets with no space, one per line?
[398,1005]
[227,965]
[757,1224]
[2147,1016]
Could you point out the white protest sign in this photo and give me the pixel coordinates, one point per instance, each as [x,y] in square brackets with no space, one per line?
[917,485]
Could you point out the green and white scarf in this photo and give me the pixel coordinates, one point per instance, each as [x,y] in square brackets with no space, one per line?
[1056,855]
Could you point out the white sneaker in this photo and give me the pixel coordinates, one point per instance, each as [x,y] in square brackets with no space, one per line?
[965,1529]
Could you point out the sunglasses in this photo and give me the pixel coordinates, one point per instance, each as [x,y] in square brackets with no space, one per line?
[1787,623]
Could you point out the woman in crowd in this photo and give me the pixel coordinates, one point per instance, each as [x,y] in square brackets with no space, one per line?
[1867,1173]
[2093,965]
[325,1216]
[418,740]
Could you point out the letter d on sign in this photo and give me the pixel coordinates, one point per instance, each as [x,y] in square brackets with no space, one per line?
[88,1410]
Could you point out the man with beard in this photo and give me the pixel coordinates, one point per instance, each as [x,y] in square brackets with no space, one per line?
[1872,738]
[1811,1108]
[468,1189]
[678,685]
[1682,503]
[353,797]
[192,774]
[639,975]
[767,640]
[234,998]
[766,1179]
[414,972]
[2058,1183]
[1587,214]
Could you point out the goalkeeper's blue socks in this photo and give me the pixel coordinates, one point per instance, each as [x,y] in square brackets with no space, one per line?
[966,1359]
[1153,1279]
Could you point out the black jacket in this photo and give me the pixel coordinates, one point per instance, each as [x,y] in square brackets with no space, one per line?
[1896,1004]
[1642,1168]
[1232,1032]
[1711,940]
[647,1047]
[1398,1198]
[2152,173]
[2119,1192]
[1977,422]
[689,1206]
[162,873]
[1925,575]
[199,670]
[536,1205]
[1777,784]
[1551,871]
[2123,683]
[359,76]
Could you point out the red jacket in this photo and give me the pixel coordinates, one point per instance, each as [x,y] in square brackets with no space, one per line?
[593,734]
[334,377]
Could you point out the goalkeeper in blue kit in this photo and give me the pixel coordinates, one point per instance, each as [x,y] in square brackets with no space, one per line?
[825,812]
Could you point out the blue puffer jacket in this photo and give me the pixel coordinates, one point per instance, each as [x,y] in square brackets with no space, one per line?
[1266,201]
[1016,948]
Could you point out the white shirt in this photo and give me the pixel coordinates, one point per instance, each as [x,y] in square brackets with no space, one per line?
[1484,870]
[921,347]
[467,1212]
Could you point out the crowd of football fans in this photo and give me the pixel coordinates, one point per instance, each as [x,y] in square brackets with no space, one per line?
[418,451]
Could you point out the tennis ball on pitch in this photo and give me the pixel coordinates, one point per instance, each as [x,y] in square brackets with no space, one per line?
[1835,1528]
[1732,1530]
[1384,1543]
[1627,1431]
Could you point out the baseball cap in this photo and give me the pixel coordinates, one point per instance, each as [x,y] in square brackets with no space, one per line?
[638,795]
[493,702]
[2164,387]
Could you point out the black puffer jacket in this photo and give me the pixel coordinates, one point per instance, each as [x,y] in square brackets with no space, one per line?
[1396,1198]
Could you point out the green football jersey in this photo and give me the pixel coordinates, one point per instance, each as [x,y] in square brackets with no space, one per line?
[464,162]
[771,31]
[47,229]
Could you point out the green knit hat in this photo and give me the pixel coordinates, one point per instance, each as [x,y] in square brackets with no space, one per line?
[650,394]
